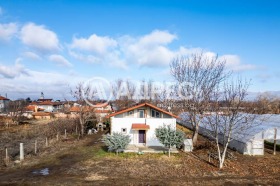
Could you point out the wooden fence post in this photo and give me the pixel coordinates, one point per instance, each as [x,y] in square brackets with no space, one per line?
[57,137]
[35,147]
[21,152]
[7,155]
[275,141]
[47,142]
[65,134]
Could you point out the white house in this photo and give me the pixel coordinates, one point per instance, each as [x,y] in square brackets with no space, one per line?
[140,122]
[3,103]
[47,106]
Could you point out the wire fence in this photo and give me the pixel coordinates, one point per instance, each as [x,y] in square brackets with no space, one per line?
[35,139]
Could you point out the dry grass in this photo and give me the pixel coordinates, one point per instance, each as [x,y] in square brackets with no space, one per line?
[86,162]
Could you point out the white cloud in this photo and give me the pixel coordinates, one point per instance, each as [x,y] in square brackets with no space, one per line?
[53,84]
[7,31]
[94,43]
[233,63]
[60,60]
[32,55]
[39,38]
[14,71]
[157,37]
[151,50]
[148,50]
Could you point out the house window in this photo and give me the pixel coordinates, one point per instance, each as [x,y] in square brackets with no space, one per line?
[155,114]
[130,113]
[141,113]
[124,130]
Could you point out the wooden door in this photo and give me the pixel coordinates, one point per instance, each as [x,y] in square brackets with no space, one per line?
[142,136]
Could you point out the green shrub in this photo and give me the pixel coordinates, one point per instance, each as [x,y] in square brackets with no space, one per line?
[116,142]
[170,137]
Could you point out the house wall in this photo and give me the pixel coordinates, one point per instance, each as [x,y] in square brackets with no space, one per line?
[28,115]
[118,123]
[136,113]
[47,108]
[108,107]
[51,108]
[3,105]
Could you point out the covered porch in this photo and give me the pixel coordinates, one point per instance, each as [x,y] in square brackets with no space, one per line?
[140,133]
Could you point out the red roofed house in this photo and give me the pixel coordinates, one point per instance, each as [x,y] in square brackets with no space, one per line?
[140,122]
[101,110]
[47,106]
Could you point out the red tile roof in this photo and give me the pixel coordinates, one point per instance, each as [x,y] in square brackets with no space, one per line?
[138,126]
[142,105]
[85,108]
[46,103]
[3,98]
[44,99]
[30,108]
[102,111]
[74,109]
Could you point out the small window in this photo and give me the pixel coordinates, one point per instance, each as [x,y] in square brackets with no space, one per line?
[130,113]
[155,114]
[141,113]
[124,130]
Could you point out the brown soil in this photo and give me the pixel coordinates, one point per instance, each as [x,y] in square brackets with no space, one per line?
[86,162]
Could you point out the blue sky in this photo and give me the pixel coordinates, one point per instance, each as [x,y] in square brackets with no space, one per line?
[49,46]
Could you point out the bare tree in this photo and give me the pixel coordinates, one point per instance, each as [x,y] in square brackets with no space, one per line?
[145,92]
[267,103]
[16,109]
[166,99]
[228,120]
[123,91]
[197,76]
[84,95]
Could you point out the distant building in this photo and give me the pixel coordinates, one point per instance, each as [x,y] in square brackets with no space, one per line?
[3,104]
[47,106]
[101,110]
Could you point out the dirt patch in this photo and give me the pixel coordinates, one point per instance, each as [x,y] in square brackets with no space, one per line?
[86,162]
[95,177]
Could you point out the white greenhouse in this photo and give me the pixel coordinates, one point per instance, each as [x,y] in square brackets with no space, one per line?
[251,142]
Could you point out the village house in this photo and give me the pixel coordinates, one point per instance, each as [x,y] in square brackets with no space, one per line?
[28,111]
[47,106]
[101,110]
[140,122]
[3,103]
